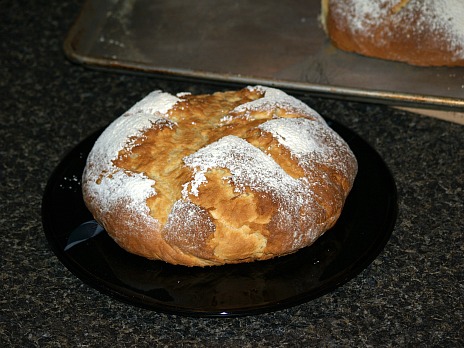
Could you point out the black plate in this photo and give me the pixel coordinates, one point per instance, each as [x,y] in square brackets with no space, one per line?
[232,290]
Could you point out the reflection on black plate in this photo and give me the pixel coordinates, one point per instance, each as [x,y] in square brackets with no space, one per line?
[360,234]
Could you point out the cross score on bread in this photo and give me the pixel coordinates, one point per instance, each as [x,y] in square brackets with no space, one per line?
[230,177]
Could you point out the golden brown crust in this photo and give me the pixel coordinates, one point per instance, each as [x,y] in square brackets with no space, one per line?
[409,31]
[224,178]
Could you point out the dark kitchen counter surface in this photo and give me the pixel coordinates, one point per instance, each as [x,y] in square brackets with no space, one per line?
[412,294]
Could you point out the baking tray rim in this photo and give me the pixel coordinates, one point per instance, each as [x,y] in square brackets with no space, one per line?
[321,90]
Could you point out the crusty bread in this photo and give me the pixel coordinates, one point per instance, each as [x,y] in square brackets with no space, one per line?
[418,32]
[230,177]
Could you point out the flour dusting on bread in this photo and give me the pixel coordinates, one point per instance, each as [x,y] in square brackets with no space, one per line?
[415,31]
[231,177]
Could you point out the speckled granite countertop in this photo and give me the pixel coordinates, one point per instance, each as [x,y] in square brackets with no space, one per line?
[412,294]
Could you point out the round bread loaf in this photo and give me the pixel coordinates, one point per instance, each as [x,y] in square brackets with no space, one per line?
[418,32]
[231,177]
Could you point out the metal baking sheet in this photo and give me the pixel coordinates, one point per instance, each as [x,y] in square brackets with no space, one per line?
[278,43]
